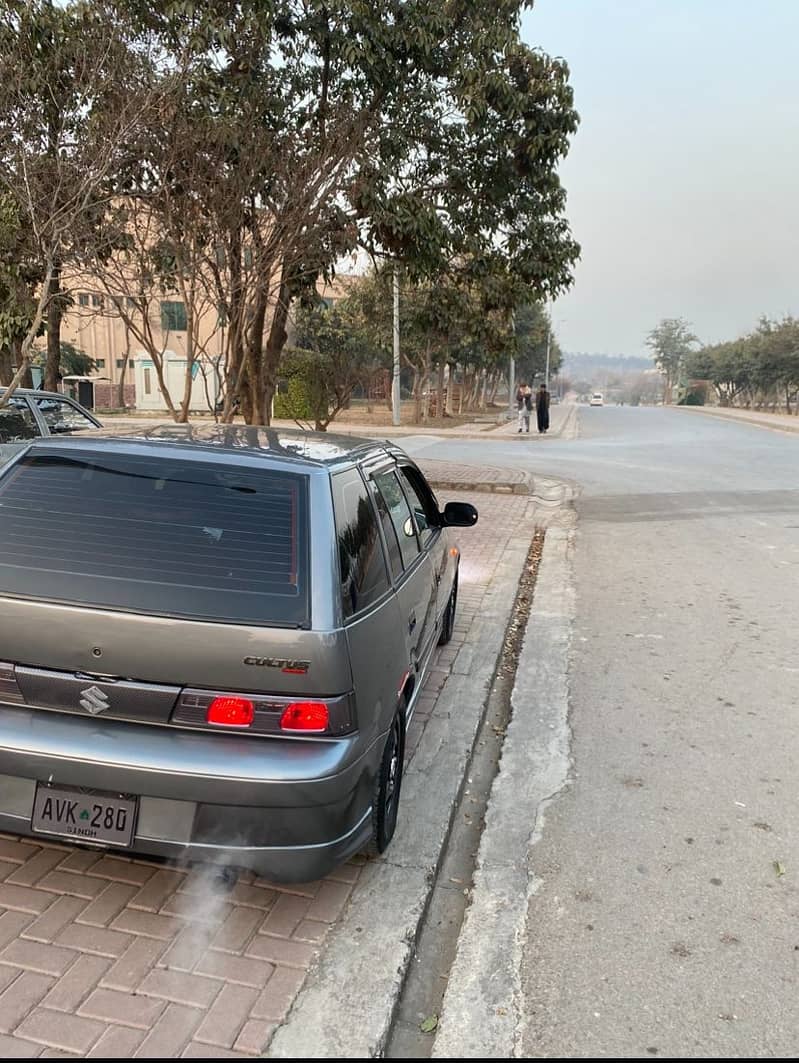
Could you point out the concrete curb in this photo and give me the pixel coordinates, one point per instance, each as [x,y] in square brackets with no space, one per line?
[377,432]
[754,422]
[566,429]
[482,1015]
[525,488]
[346,1007]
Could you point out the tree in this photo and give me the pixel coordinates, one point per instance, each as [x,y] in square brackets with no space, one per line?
[332,357]
[71,94]
[19,275]
[424,132]
[533,327]
[671,343]
[72,361]
[760,368]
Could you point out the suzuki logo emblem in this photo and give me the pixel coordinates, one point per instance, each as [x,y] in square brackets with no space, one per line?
[94,700]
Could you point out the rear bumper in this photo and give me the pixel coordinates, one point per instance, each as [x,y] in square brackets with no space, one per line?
[289,809]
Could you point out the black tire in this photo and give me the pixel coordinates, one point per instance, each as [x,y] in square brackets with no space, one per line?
[448,625]
[387,786]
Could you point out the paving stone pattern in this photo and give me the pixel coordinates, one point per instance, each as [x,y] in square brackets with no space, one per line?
[108,957]
[449,475]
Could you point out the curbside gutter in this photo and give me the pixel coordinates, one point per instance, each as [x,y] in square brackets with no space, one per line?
[483,1015]
[347,1005]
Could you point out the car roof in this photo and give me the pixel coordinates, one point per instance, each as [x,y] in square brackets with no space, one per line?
[283,444]
[36,393]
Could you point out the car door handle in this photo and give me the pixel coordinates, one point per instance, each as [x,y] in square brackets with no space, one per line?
[411,623]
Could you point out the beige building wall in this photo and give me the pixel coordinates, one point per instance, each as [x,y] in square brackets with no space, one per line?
[95,326]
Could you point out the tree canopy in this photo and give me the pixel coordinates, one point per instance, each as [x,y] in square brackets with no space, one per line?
[671,343]
[265,139]
[757,369]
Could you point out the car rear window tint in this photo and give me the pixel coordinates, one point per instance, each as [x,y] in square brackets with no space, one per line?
[178,538]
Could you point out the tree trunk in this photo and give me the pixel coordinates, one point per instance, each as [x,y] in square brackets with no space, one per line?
[234,353]
[188,379]
[426,386]
[54,314]
[270,363]
[123,372]
[417,396]
[21,348]
[6,366]
[440,392]
[255,349]
[450,387]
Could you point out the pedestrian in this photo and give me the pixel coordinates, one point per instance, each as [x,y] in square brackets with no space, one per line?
[524,404]
[542,409]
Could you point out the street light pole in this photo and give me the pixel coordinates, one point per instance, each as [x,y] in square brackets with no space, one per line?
[395,383]
[511,368]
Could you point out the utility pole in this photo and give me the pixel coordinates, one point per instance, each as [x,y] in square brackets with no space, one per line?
[395,383]
[549,341]
[511,369]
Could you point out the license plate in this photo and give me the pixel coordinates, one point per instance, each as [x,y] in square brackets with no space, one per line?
[86,815]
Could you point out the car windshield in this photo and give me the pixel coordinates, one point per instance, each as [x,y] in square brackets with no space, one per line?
[180,538]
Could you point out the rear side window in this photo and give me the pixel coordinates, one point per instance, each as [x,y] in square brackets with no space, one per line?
[17,423]
[361,562]
[61,416]
[174,538]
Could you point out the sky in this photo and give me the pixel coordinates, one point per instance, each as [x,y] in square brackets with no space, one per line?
[683,177]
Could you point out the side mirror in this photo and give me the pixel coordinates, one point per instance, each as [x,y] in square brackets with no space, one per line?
[459,515]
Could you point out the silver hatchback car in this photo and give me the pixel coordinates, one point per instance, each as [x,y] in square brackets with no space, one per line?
[212,641]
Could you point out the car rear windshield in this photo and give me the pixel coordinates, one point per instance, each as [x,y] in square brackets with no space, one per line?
[176,538]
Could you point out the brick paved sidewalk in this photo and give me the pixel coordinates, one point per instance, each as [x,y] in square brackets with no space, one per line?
[452,476]
[104,956]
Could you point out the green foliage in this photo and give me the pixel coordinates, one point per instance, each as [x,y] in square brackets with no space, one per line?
[18,274]
[532,327]
[693,397]
[334,354]
[266,139]
[671,343]
[759,368]
[73,361]
[295,403]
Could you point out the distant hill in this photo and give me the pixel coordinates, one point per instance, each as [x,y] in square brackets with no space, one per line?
[585,365]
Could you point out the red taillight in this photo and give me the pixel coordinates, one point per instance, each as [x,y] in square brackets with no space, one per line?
[230,712]
[305,716]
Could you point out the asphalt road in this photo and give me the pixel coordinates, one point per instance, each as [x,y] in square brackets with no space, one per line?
[666,919]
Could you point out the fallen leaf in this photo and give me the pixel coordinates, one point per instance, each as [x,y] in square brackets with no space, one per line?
[429,1024]
[778,867]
